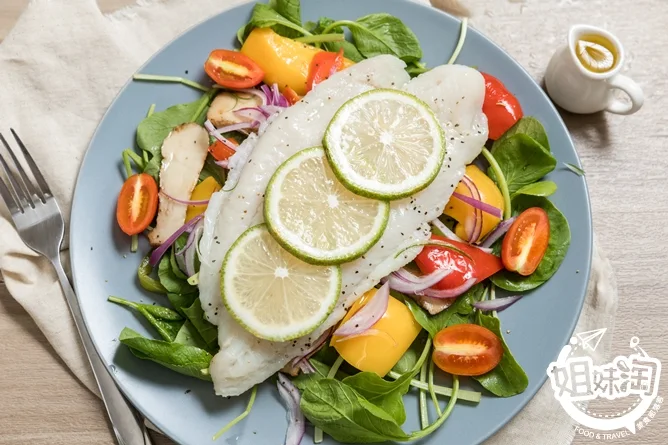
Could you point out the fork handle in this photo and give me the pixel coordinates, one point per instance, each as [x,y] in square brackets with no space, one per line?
[126,422]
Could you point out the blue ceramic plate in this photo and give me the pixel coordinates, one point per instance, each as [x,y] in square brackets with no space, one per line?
[186,409]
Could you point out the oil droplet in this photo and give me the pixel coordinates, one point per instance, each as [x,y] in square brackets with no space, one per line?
[596,53]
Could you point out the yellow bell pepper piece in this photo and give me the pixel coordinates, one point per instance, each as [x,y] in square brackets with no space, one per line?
[386,342]
[202,192]
[461,211]
[284,61]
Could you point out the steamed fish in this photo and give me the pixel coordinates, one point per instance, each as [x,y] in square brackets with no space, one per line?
[455,93]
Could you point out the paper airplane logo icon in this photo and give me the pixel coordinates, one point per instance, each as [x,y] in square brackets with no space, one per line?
[591,339]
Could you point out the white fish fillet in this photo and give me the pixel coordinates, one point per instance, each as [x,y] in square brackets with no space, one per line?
[455,93]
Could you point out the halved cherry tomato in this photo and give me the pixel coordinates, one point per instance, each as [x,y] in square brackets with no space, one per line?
[231,69]
[323,65]
[467,349]
[137,203]
[220,151]
[480,266]
[526,241]
[500,106]
[291,95]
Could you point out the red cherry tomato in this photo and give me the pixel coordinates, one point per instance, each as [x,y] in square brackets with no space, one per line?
[500,106]
[480,266]
[526,241]
[323,65]
[220,151]
[234,70]
[137,203]
[467,349]
[291,95]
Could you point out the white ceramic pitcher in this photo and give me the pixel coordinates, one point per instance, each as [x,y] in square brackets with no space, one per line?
[581,88]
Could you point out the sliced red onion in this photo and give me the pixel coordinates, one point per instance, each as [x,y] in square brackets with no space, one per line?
[212,131]
[237,127]
[315,347]
[498,304]
[277,94]
[224,163]
[366,317]
[266,89]
[448,293]
[497,233]
[406,282]
[296,421]
[160,251]
[192,250]
[366,333]
[259,93]
[446,231]
[473,232]
[186,202]
[480,205]
[305,366]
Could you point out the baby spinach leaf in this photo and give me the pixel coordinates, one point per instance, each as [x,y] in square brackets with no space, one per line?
[348,417]
[377,34]
[265,16]
[522,160]
[529,126]
[170,281]
[183,359]
[290,9]
[146,281]
[541,188]
[189,336]
[206,330]
[181,301]
[560,239]
[350,51]
[507,378]
[166,321]
[176,270]
[461,311]
[382,393]
[211,169]
[303,381]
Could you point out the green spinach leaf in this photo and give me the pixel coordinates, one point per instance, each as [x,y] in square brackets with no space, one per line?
[181,301]
[346,416]
[206,330]
[382,393]
[265,16]
[170,281]
[145,280]
[350,51]
[211,169]
[461,311]
[541,188]
[176,270]
[560,239]
[522,160]
[529,126]
[377,34]
[303,381]
[290,9]
[183,359]
[189,336]
[166,321]
[507,378]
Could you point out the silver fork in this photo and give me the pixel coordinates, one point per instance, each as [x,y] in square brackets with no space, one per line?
[40,224]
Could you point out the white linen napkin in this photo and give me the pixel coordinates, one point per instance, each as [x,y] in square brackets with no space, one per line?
[60,68]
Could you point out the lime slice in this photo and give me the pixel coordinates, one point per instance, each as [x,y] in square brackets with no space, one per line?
[385,144]
[316,218]
[273,294]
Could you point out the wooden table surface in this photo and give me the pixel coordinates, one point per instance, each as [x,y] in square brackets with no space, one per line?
[625,158]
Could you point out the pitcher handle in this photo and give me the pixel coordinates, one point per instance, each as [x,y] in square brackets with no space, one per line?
[632,89]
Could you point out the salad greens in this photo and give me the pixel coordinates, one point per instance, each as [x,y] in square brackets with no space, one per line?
[184,359]
[166,321]
[540,188]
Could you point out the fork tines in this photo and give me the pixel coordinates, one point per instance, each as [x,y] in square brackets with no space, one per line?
[20,192]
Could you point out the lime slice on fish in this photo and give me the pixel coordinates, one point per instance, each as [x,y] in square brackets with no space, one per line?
[316,218]
[273,294]
[385,144]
